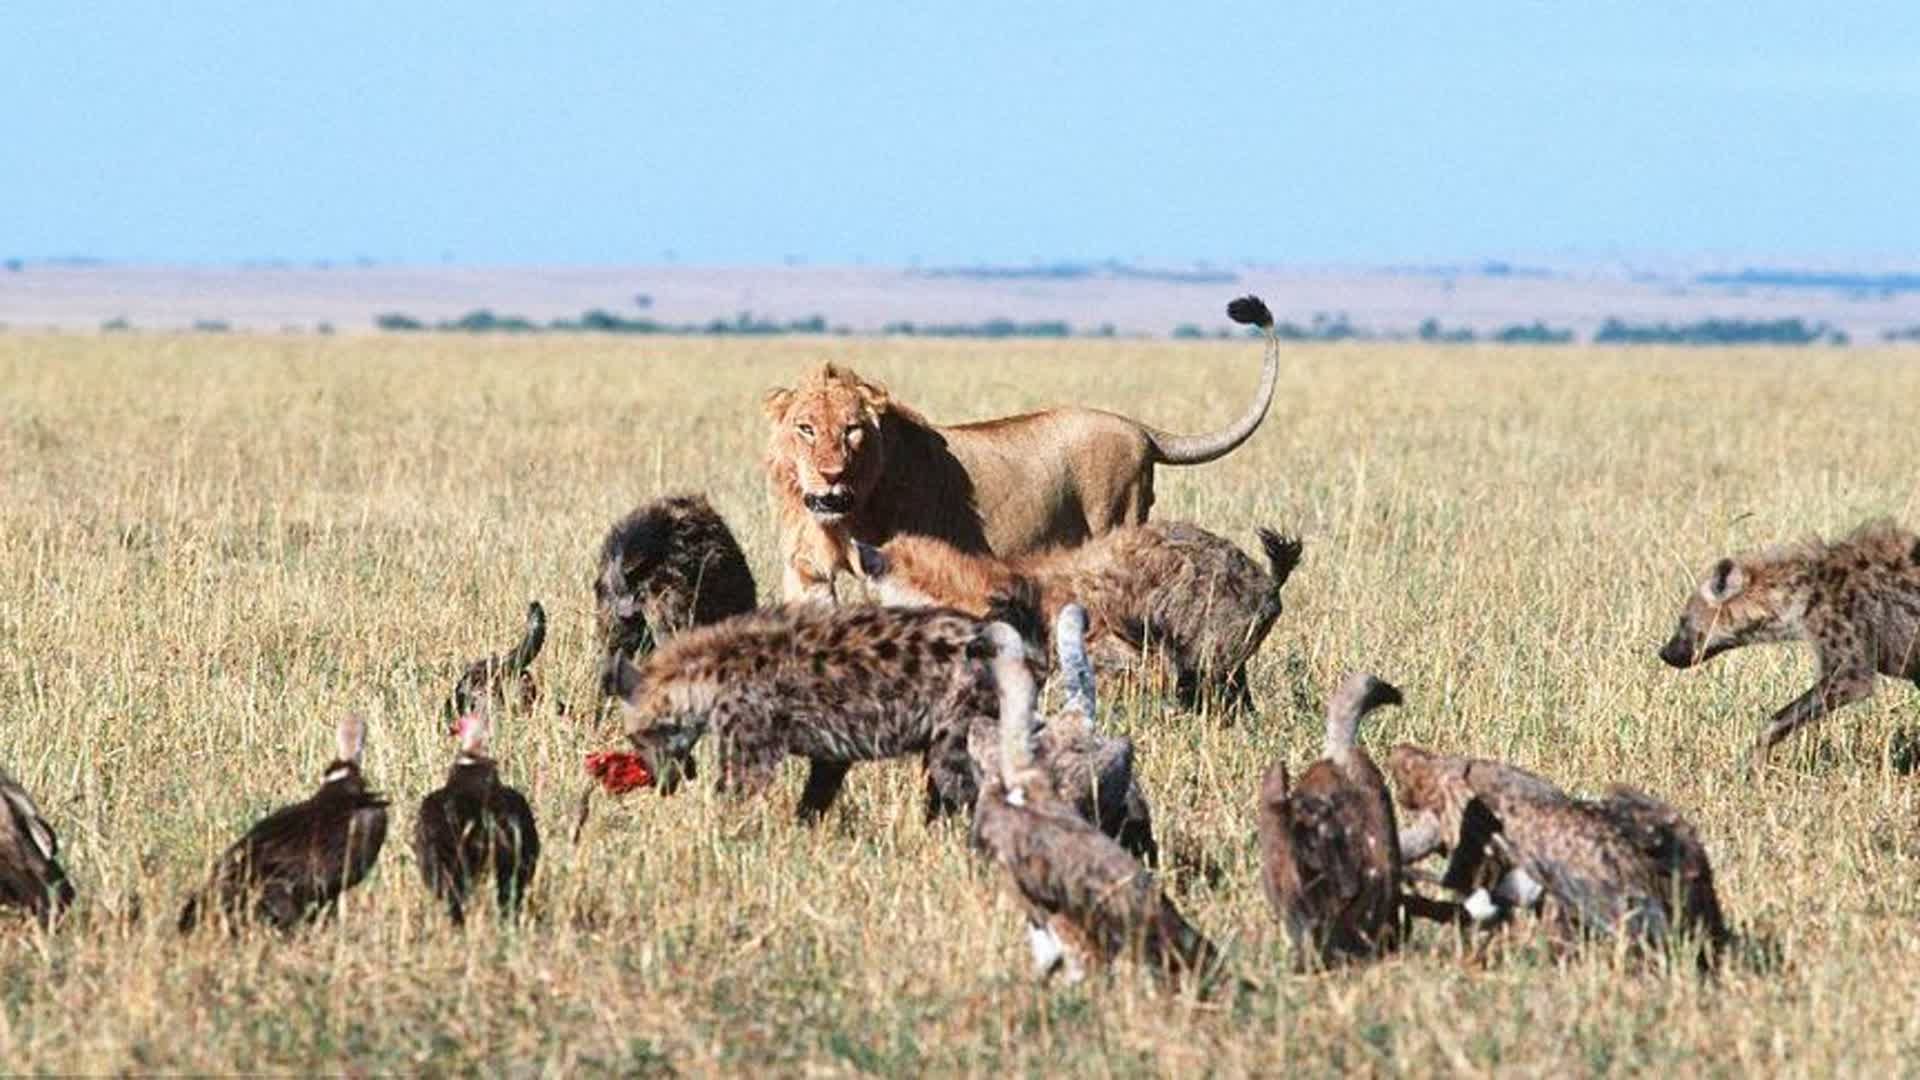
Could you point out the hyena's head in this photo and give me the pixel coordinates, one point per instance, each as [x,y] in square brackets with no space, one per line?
[923,571]
[667,748]
[1740,601]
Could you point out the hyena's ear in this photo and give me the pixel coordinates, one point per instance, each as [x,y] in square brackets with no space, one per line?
[622,679]
[1727,581]
[874,563]
[775,403]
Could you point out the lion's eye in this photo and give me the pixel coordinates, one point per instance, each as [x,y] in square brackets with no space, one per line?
[806,431]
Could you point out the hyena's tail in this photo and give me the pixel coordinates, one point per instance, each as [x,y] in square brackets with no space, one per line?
[1283,555]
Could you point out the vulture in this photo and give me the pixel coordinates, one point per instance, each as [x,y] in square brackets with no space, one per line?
[1087,900]
[1329,846]
[1092,771]
[475,825]
[291,866]
[1625,865]
[489,680]
[30,873]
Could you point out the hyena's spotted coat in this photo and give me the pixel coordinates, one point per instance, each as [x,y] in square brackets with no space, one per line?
[1856,600]
[832,685]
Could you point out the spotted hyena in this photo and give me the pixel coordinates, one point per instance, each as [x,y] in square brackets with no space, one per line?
[832,685]
[669,566]
[1163,584]
[1857,600]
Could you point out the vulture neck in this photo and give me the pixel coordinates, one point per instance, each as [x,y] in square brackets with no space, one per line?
[1342,746]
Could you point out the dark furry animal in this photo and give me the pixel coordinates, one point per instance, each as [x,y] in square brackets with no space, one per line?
[1166,585]
[1856,600]
[487,681]
[291,866]
[1329,845]
[832,685]
[1087,900]
[664,569]
[474,826]
[31,876]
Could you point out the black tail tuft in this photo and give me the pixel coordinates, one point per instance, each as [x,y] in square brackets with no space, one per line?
[528,650]
[1283,554]
[1250,311]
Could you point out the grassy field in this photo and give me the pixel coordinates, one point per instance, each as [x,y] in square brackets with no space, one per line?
[214,546]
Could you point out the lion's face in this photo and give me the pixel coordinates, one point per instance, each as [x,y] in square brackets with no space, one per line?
[826,441]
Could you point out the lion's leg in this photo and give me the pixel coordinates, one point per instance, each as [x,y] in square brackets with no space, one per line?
[809,566]
[803,585]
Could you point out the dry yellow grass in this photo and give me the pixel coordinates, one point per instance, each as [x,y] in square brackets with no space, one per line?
[214,546]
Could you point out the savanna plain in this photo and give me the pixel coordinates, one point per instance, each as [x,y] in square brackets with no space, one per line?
[215,546]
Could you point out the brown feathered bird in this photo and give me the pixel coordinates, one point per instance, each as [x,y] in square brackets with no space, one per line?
[506,679]
[1329,845]
[31,876]
[1087,900]
[474,826]
[1091,770]
[1624,865]
[293,863]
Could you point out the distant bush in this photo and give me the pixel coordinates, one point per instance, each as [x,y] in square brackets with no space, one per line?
[1434,334]
[397,322]
[1905,333]
[1534,333]
[115,325]
[483,321]
[1324,328]
[1188,332]
[211,326]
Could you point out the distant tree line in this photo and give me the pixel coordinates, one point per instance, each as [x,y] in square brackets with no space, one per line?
[1322,328]
[1719,332]
[1078,271]
[1533,333]
[600,321]
[1816,279]
[991,328]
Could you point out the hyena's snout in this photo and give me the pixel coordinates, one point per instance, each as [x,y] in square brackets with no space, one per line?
[1679,651]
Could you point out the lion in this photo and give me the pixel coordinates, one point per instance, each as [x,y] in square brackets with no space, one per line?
[847,462]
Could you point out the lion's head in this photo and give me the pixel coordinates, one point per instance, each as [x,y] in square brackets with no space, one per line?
[826,446]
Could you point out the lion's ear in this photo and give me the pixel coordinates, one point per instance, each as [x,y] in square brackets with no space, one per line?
[775,403]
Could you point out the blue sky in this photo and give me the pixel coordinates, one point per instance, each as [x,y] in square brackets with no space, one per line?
[488,132]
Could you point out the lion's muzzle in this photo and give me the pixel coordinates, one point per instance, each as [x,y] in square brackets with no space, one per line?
[830,504]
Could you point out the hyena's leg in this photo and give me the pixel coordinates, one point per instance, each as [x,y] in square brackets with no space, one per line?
[951,784]
[1843,686]
[824,780]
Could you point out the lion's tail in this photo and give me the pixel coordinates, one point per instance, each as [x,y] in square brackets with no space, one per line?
[1171,449]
